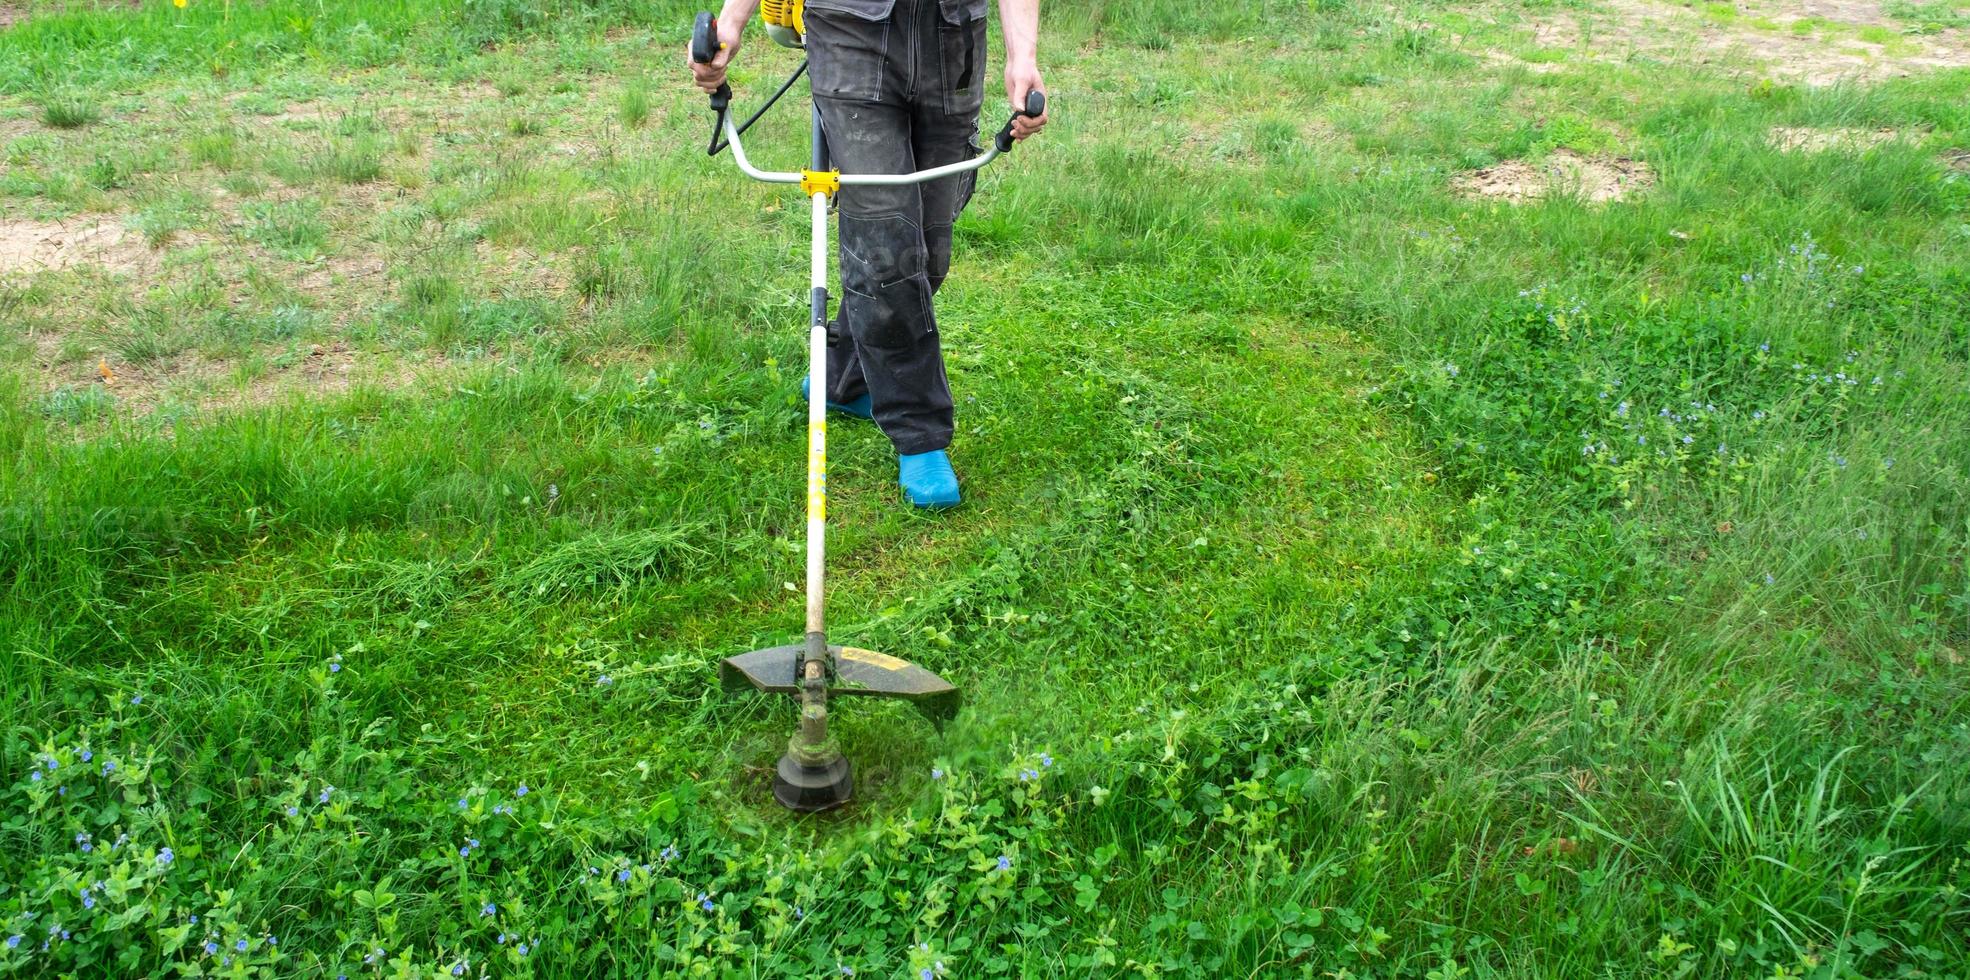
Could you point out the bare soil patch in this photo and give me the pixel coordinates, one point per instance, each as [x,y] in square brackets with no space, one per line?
[1806,139]
[1748,43]
[28,247]
[1595,179]
[1957,159]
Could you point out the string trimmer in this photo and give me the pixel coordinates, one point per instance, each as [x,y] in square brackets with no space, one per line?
[813,774]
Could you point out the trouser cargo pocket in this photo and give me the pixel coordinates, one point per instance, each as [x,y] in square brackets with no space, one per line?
[845,56]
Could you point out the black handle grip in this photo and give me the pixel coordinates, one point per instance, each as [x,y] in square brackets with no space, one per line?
[1036,106]
[704,39]
[704,47]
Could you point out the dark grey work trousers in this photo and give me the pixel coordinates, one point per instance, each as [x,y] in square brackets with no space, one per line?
[898,85]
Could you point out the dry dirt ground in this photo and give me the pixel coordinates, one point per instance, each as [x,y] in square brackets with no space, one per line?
[1814,42]
[1594,179]
[28,246]
[1809,42]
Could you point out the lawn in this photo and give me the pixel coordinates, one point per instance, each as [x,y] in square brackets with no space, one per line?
[1475,490]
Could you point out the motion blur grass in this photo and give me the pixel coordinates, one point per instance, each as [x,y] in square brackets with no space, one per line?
[1355,578]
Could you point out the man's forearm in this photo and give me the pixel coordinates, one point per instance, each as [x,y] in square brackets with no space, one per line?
[738,13]
[1020,20]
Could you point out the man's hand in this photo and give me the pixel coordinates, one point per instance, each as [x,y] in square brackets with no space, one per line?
[731,28]
[1022,78]
[1020,20]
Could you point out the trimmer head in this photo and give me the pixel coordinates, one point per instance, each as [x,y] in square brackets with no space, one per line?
[856,672]
[812,787]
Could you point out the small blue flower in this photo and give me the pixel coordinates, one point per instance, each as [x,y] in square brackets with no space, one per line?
[705,902]
[335,666]
[1046,761]
[136,699]
[271,941]
[241,945]
[521,791]
[461,803]
[326,792]
[13,942]
[193,920]
[464,852]
[846,970]
[490,909]
[936,773]
[211,948]
[88,900]
[1764,348]
[459,969]
[165,857]
[501,939]
[522,949]
[926,974]
[1005,863]
[51,763]
[293,811]
[669,853]
[622,875]
[34,777]
[109,767]
[604,681]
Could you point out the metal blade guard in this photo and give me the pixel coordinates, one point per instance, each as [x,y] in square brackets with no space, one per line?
[857,672]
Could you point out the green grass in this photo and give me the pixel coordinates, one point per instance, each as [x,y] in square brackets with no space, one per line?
[69,111]
[1355,579]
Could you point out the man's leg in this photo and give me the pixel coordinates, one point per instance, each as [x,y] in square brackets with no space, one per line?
[944,129]
[886,288]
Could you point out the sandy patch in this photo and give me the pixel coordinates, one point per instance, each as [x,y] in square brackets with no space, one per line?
[28,247]
[1957,159]
[1759,40]
[1806,139]
[1595,179]
[189,383]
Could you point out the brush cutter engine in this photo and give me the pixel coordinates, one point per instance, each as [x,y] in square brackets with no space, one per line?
[783,22]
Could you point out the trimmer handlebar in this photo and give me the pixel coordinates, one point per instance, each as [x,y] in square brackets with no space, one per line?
[705,47]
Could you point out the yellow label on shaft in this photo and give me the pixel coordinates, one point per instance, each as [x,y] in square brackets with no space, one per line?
[817,471]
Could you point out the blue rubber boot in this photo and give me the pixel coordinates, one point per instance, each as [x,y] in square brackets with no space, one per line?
[861,408]
[928,480]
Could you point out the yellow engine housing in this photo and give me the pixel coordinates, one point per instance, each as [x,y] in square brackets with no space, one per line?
[783,22]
